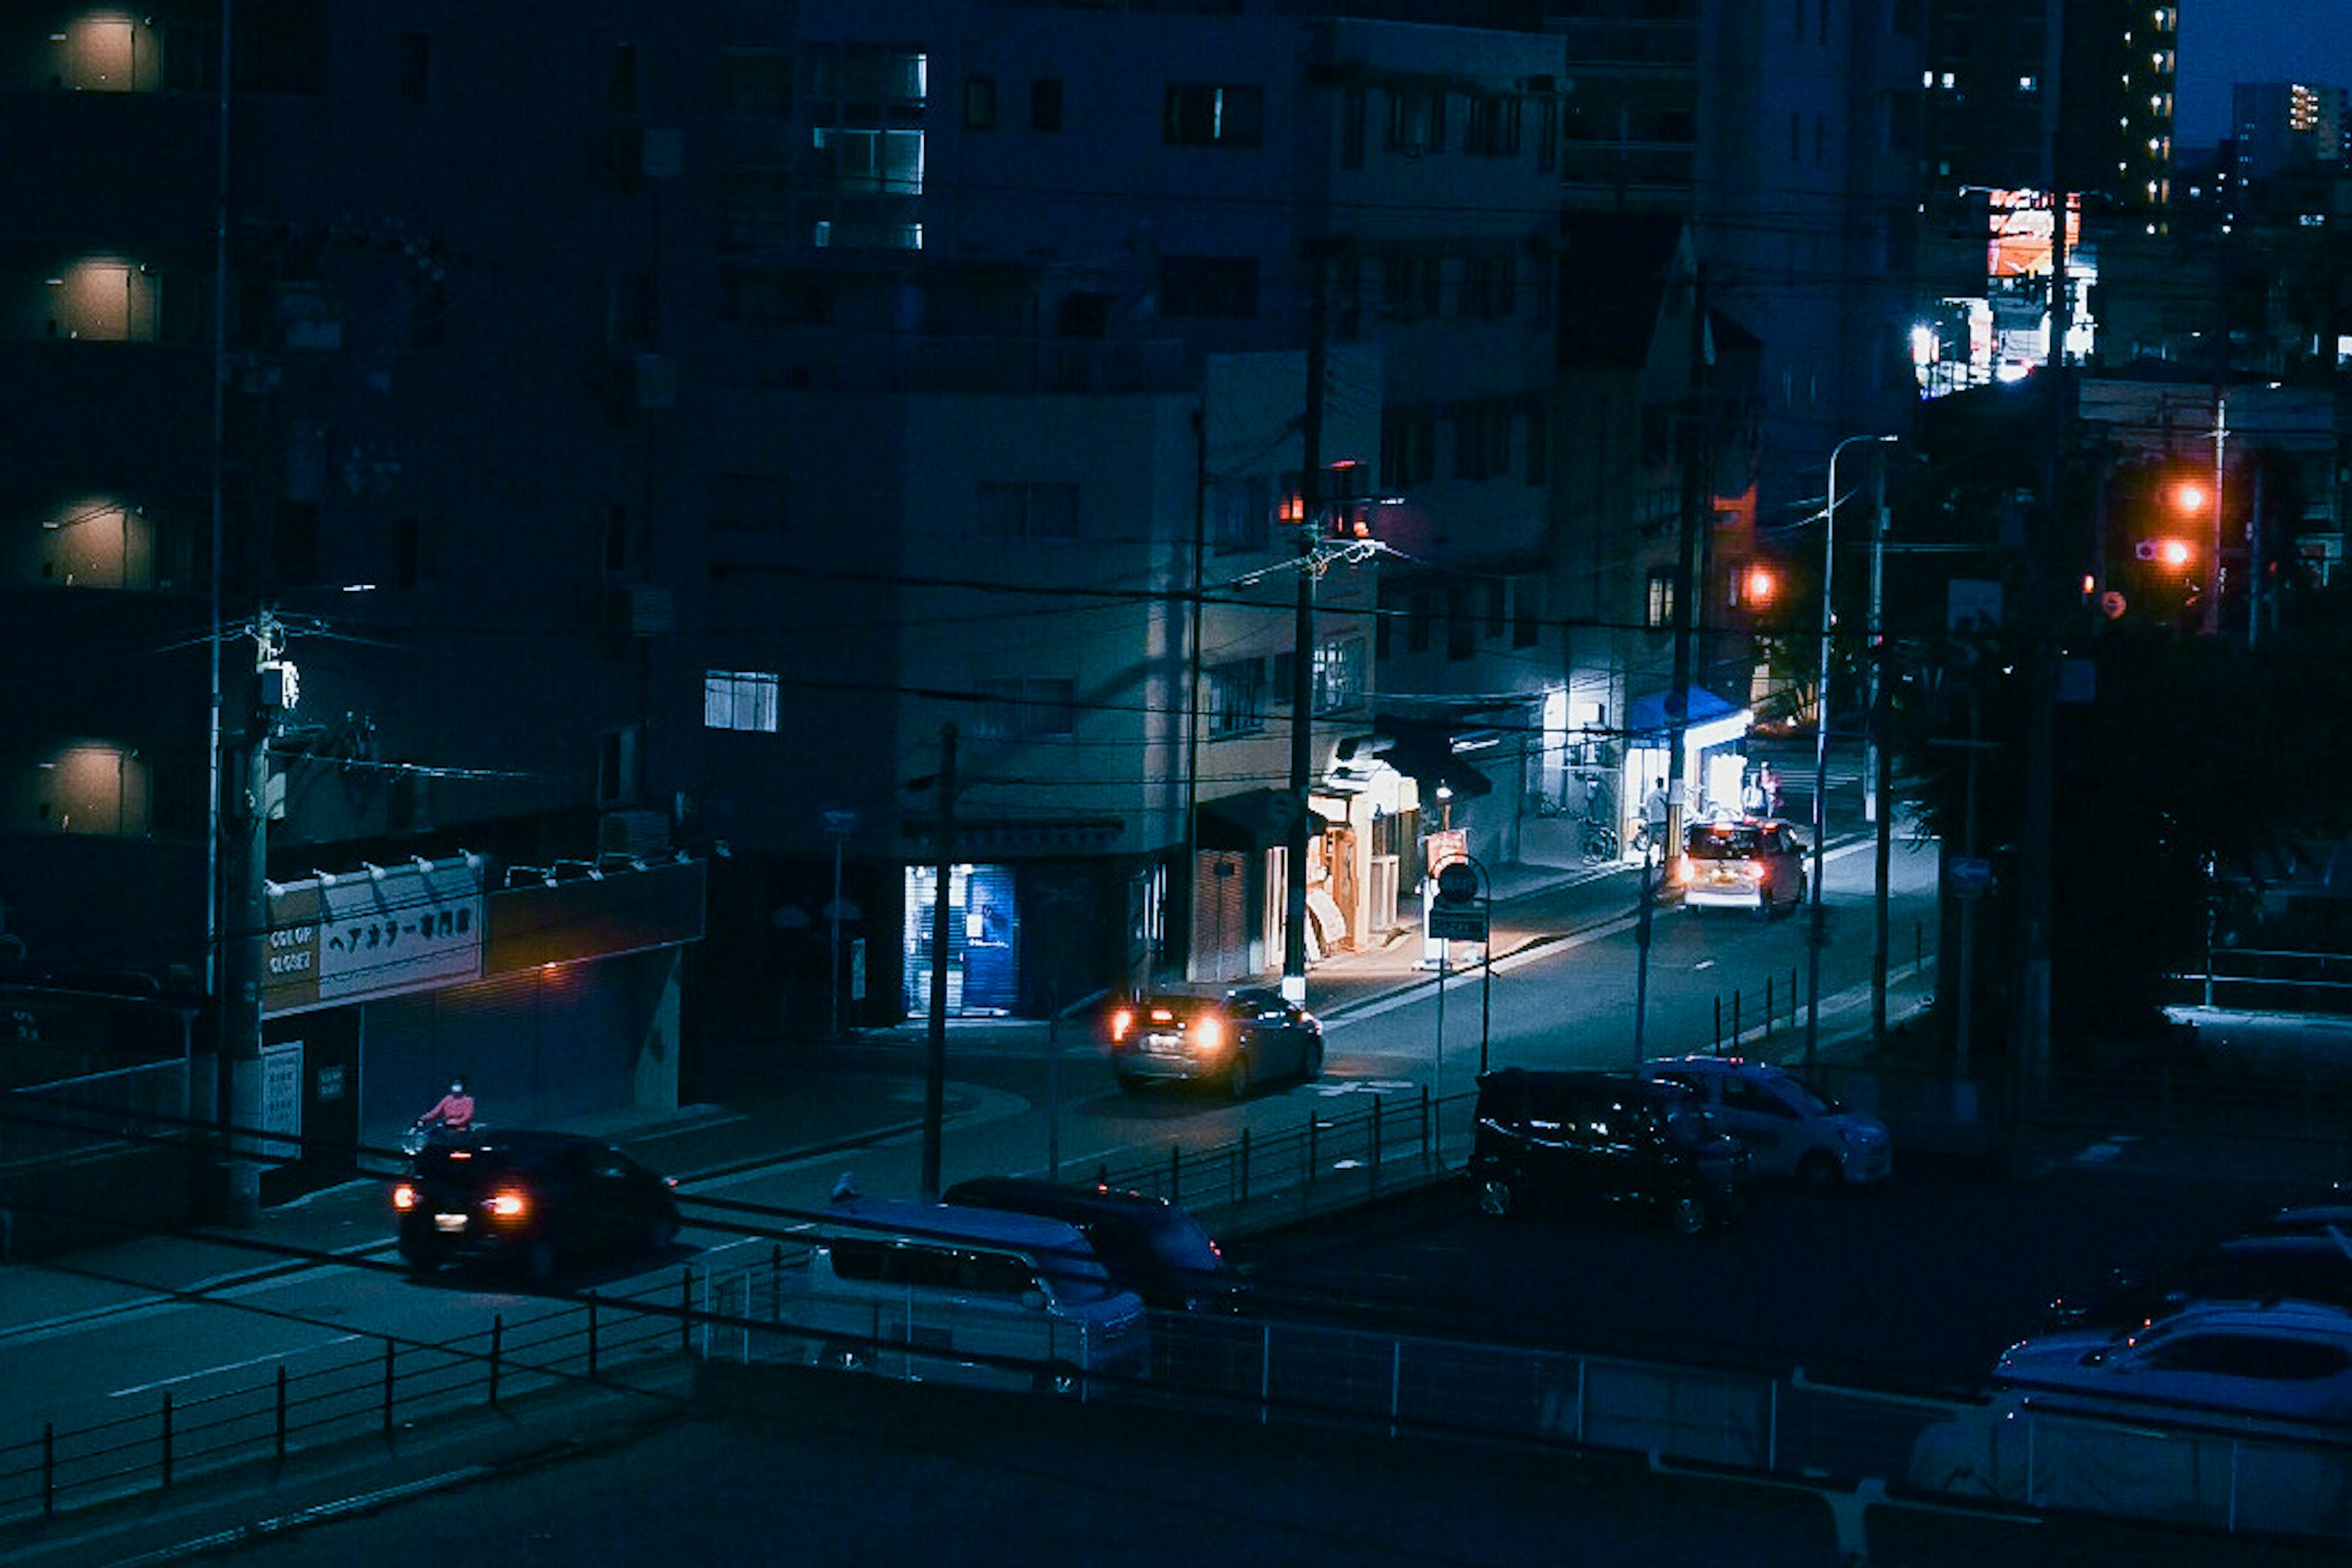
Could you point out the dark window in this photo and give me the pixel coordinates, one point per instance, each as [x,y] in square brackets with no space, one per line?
[1046,103]
[979,103]
[620,85]
[282,47]
[1354,105]
[1223,286]
[1028,710]
[1028,510]
[415,64]
[412,555]
[1241,513]
[1416,122]
[1214,115]
[616,538]
[1237,698]
[1527,612]
[1461,625]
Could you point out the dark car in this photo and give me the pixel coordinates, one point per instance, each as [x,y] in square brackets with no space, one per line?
[2244,1269]
[1151,1247]
[529,1201]
[1750,863]
[1552,1139]
[1237,1039]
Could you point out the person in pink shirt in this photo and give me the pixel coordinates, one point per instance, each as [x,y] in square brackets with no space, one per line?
[454,1112]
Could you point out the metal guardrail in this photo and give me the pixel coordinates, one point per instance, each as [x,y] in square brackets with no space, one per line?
[1786,1429]
[374,1388]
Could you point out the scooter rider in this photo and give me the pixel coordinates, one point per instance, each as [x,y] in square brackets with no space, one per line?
[452,1114]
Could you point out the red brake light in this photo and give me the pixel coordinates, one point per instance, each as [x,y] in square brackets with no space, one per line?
[1120,1023]
[1208,1030]
[404,1197]
[509,1203]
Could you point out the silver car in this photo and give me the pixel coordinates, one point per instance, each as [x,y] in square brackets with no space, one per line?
[1790,1128]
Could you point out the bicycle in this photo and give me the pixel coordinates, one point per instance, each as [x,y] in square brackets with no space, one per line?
[1600,841]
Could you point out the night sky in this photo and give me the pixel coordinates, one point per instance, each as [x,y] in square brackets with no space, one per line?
[2224,42]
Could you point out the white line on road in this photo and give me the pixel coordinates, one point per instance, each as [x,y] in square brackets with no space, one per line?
[231,1366]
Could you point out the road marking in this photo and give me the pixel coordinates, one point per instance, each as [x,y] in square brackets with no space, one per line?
[232,1366]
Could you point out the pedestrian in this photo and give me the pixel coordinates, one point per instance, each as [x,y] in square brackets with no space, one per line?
[1655,813]
[1768,785]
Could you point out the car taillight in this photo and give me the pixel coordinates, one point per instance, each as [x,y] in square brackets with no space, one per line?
[1120,1023]
[1208,1032]
[404,1197]
[1682,869]
[509,1203]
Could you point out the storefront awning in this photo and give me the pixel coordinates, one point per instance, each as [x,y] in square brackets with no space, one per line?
[1708,720]
[1426,754]
[1254,819]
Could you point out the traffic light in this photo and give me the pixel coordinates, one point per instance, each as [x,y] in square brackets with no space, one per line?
[2177,554]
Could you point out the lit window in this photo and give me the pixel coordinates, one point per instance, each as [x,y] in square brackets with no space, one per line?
[739,700]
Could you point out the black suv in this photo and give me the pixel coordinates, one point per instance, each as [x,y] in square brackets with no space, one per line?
[1547,1138]
[532,1200]
[1151,1247]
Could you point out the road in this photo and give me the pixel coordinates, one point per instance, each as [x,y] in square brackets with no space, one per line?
[1560,1001]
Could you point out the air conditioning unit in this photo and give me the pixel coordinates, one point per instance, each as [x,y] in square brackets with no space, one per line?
[641,609]
[636,833]
[650,381]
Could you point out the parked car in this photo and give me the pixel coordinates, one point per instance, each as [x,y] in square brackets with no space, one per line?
[2252,1269]
[529,1200]
[1790,1128]
[1234,1039]
[1151,1247]
[1546,1139]
[1743,863]
[934,1291]
[2288,1360]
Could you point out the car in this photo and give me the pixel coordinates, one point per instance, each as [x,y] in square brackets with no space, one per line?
[931,1291]
[1235,1039]
[2258,1268]
[1547,1138]
[1755,863]
[529,1200]
[1791,1129]
[2288,1360]
[1151,1245]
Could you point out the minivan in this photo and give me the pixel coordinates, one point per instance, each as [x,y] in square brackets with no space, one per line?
[1151,1247]
[923,1291]
[1547,1138]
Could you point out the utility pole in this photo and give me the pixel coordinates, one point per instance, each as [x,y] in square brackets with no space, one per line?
[1302,642]
[935,1075]
[266,688]
[1880,771]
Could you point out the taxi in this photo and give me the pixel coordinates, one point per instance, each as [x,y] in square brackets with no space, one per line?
[1754,863]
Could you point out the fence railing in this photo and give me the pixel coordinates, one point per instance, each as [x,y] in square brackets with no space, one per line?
[1775,1426]
[374,1386]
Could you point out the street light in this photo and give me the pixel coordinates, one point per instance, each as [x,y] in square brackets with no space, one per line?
[1822,745]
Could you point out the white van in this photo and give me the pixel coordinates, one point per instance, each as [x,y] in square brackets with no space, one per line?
[922,1291]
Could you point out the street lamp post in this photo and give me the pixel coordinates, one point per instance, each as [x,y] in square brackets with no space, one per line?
[1816,931]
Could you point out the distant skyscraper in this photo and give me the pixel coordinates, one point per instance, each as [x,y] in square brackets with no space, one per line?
[2285,127]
